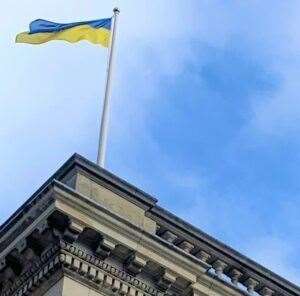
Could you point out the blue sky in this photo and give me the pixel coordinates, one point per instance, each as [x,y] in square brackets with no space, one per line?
[205,112]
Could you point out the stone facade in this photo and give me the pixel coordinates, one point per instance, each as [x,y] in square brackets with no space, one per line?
[87,232]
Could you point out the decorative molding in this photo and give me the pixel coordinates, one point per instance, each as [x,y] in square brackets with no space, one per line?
[72,232]
[251,284]
[203,256]
[219,267]
[224,268]
[31,277]
[108,269]
[235,275]
[29,216]
[106,246]
[267,292]
[186,246]
[166,280]
[169,236]
[86,266]
[135,263]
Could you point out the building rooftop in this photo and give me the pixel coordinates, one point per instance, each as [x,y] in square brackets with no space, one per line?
[236,270]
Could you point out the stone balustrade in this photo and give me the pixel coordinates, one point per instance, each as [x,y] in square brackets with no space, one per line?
[225,270]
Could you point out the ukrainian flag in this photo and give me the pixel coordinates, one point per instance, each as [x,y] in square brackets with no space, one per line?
[41,31]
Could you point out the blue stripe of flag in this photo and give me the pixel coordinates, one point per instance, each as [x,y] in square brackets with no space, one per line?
[44,26]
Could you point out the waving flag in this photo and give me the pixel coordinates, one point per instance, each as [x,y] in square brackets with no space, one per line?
[103,32]
[41,31]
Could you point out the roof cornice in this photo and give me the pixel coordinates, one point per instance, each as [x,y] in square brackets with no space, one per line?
[223,250]
[187,231]
[77,160]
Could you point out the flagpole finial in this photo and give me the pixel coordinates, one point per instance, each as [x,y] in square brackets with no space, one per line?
[116,10]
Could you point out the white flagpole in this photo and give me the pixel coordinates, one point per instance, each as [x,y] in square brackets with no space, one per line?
[105,110]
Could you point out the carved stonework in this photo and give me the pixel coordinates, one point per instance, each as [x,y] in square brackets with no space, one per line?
[169,236]
[135,263]
[72,232]
[267,292]
[219,267]
[66,256]
[166,280]
[235,275]
[186,246]
[203,256]
[105,247]
[251,284]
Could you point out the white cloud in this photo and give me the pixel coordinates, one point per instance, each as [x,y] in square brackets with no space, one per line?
[279,114]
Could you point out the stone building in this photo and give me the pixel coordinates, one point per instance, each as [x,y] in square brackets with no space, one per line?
[87,232]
